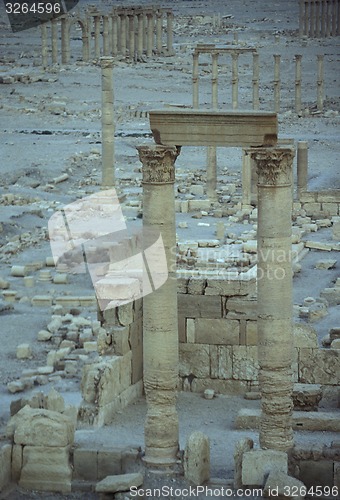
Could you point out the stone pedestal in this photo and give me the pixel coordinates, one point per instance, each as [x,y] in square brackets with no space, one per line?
[274,295]
[108,172]
[160,324]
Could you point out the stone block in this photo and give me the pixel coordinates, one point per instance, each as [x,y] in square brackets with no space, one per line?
[5,465]
[46,469]
[120,336]
[312,209]
[304,336]
[17,450]
[109,462]
[279,484]
[121,482]
[316,473]
[245,363]
[306,397]
[242,446]
[125,371]
[318,245]
[197,458]
[325,264]
[182,329]
[190,331]
[194,360]
[251,333]
[245,308]
[221,362]
[24,351]
[230,287]
[85,464]
[332,295]
[257,464]
[125,314]
[336,230]
[319,366]
[329,209]
[194,306]
[217,331]
[196,286]
[39,427]
[199,205]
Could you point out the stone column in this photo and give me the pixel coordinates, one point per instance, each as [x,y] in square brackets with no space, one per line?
[277,82]
[323,18]
[214,80]
[159,28]
[246,177]
[195,98]
[86,43]
[106,34]
[96,36]
[131,22]
[319,83]
[108,169]
[302,166]
[65,41]
[169,32]
[256,77]
[54,36]
[150,34]
[160,327]
[317,18]
[114,22]
[123,34]
[140,41]
[298,58]
[301,18]
[274,295]
[312,20]
[212,150]
[44,58]
[234,79]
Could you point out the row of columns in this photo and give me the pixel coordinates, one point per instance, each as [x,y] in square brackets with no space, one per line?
[235,54]
[319,18]
[255,81]
[274,171]
[130,33]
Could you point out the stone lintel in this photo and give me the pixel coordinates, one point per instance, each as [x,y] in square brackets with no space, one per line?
[214,128]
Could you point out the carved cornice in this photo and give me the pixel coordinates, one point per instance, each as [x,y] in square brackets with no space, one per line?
[274,166]
[158,163]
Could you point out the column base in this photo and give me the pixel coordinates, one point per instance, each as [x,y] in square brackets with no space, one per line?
[161,458]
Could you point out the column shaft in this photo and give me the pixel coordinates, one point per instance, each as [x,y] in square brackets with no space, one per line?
[65,41]
[302,166]
[274,296]
[277,82]
[150,35]
[44,58]
[160,327]
[140,44]
[320,82]
[108,169]
[169,32]
[114,34]
[159,29]
[211,172]
[195,83]
[298,83]
[131,36]
[214,80]
[106,43]
[256,78]
[246,178]
[54,35]
[234,79]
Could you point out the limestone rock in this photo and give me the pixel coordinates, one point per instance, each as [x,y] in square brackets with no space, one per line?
[278,483]
[24,351]
[241,447]
[256,464]
[39,427]
[325,264]
[121,482]
[307,397]
[304,335]
[197,458]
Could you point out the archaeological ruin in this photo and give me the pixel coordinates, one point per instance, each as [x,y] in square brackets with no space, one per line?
[169,242]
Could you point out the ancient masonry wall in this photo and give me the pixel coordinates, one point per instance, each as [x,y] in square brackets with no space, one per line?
[321,203]
[111,384]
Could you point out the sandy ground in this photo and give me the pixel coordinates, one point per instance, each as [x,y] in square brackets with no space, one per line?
[51,125]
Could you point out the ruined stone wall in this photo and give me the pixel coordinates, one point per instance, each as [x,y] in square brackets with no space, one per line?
[115,381]
[321,203]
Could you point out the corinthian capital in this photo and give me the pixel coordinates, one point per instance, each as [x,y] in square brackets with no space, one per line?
[158,163]
[274,166]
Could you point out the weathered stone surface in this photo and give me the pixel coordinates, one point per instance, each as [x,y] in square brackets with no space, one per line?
[5,465]
[230,387]
[307,397]
[17,450]
[121,482]
[193,306]
[325,264]
[38,427]
[242,446]
[304,335]
[245,362]
[24,351]
[278,484]
[194,360]
[221,363]
[319,366]
[257,464]
[197,458]
[46,468]
[217,331]
[230,287]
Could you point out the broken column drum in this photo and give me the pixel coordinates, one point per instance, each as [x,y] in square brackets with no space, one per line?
[160,324]
[274,296]
[108,172]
